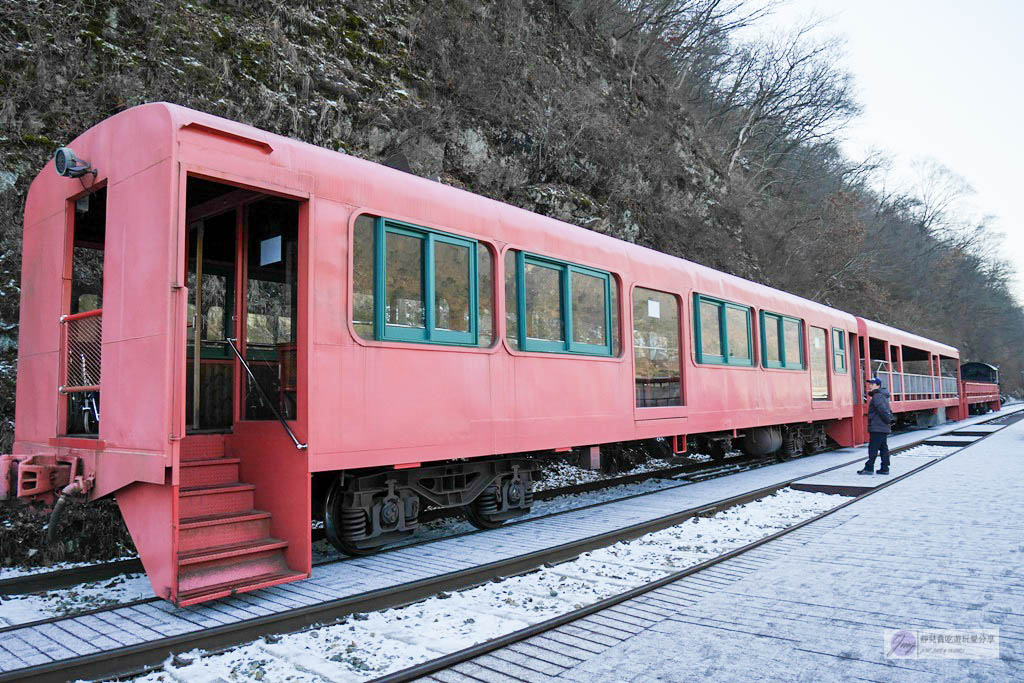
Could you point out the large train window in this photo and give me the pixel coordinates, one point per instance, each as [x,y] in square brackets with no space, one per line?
[416,284]
[722,333]
[782,339]
[656,348]
[838,350]
[819,363]
[559,307]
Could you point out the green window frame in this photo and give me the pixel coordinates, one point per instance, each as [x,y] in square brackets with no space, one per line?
[429,333]
[565,271]
[726,357]
[778,320]
[839,351]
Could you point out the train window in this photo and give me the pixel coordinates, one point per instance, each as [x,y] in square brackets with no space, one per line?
[838,350]
[793,338]
[819,363]
[782,339]
[616,338]
[722,332]
[452,274]
[420,285]
[738,332]
[542,292]
[362,277]
[511,300]
[559,307]
[485,273]
[709,348]
[656,348]
[589,306]
[403,289]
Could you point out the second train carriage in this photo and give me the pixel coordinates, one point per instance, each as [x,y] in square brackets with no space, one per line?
[269,328]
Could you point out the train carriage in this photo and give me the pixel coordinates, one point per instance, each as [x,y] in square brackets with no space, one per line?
[270,330]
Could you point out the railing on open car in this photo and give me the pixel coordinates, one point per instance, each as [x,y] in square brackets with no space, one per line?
[81,345]
[981,392]
[908,386]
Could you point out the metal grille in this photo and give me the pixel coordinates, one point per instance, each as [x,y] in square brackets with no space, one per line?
[83,334]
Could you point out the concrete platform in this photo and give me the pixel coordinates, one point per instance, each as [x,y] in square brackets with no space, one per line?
[941,549]
[846,482]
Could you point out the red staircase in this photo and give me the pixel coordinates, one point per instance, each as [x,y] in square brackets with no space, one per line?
[224,544]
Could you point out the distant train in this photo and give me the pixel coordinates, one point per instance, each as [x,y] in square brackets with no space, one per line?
[278,331]
[979,377]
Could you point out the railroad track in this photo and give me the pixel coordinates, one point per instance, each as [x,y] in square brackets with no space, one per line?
[451,663]
[63,578]
[79,644]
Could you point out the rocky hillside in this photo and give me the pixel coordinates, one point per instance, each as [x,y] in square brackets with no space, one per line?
[579,110]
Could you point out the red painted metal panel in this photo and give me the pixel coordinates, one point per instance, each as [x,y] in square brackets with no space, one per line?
[148,512]
[280,474]
[359,403]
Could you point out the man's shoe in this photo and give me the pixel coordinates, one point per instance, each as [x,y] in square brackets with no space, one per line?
[883,472]
[866,471]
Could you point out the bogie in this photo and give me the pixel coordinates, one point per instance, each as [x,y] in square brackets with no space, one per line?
[364,511]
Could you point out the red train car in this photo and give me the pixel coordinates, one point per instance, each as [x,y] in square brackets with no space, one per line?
[271,331]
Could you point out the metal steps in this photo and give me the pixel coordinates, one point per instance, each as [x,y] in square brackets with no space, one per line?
[224,544]
[229,588]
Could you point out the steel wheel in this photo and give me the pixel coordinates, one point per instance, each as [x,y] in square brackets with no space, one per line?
[340,522]
[481,511]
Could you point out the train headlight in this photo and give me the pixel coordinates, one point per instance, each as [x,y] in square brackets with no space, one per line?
[69,165]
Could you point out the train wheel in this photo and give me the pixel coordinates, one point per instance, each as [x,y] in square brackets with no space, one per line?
[717,449]
[483,511]
[342,524]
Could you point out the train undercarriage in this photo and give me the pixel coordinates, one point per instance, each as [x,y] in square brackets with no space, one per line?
[363,511]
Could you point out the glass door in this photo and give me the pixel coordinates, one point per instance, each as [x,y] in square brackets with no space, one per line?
[271,302]
[209,398]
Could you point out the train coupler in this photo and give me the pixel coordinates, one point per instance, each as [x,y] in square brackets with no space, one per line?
[35,477]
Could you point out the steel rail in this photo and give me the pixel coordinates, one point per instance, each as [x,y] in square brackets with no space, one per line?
[63,578]
[454,659]
[138,659]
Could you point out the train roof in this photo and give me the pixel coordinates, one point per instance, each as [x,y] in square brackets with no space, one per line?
[903,338]
[364,184]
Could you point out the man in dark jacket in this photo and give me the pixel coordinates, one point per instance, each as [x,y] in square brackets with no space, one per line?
[879,419]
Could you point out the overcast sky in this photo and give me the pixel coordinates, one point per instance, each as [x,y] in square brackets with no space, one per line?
[941,79]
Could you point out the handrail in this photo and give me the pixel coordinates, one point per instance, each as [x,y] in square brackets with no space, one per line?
[79,316]
[270,404]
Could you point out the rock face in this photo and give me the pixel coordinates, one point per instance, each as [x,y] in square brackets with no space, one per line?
[519,100]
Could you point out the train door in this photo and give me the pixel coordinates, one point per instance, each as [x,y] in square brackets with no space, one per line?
[854,368]
[242,275]
[82,321]
[210,363]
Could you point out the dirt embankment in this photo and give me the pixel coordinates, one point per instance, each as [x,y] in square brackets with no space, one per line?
[91,532]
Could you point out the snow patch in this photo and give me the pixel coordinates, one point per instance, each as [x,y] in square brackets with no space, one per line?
[365,646]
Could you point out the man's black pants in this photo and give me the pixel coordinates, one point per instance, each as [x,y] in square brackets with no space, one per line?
[878,446]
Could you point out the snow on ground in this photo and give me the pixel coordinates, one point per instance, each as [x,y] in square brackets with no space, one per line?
[19,609]
[559,473]
[456,524]
[365,646]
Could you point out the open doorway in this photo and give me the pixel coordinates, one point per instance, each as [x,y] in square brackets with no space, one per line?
[242,275]
[83,322]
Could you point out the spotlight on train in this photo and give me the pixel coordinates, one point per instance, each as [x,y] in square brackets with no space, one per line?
[69,165]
